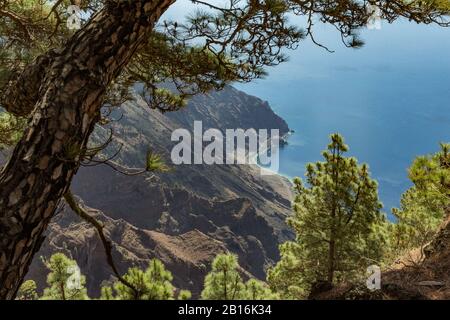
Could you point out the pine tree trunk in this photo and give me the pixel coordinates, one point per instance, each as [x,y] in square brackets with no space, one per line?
[333,230]
[332,244]
[44,162]
[331,262]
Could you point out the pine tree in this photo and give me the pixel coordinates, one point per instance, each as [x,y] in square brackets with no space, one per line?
[431,174]
[27,291]
[339,227]
[155,283]
[184,295]
[106,293]
[65,282]
[59,80]
[257,290]
[225,283]
[422,207]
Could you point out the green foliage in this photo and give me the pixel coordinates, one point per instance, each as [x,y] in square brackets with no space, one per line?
[106,293]
[155,283]
[225,283]
[65,282]
[11,129]
[339,227]
[257,290]
[423,206]
[431,174]
[155,163]
[27,291]
[184,295]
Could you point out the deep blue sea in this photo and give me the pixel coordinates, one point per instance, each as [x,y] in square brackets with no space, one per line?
[390,100]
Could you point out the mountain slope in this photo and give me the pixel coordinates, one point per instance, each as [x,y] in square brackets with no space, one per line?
[192,209]
[185,255]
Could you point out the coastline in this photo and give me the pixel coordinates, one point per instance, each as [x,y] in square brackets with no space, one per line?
[284,138]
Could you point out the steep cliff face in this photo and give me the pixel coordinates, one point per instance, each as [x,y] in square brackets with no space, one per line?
[184,217]
[229,108]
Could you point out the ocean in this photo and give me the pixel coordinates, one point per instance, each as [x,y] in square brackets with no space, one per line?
[390,100]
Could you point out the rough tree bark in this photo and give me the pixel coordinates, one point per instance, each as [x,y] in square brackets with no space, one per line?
[23,93]
[66,106]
